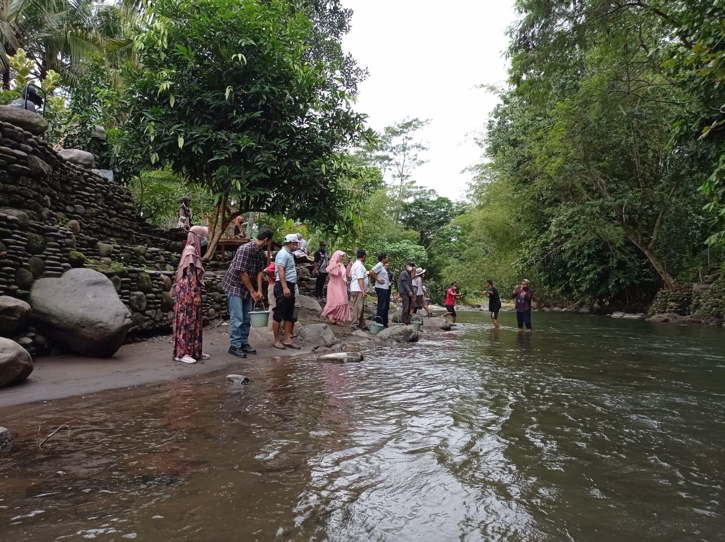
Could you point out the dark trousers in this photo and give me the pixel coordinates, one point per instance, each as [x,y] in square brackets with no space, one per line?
[407,301]
[523,318]
[320,284]
[383,305]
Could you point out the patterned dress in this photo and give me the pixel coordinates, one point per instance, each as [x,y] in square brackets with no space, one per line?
[187,315]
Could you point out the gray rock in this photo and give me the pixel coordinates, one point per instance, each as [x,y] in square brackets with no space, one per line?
[7,441]
[74,226]
[104,249]
[437,322]
[666,317]
[105,173]
[38,167]
[137,300]
[400,333]
[22,118]
[13,315]
[317,335]
[21,216]
[81,311]
[342,357]
[237,379]
[15,363]
[308,303]
[78,157]
[99,133]
[360,334]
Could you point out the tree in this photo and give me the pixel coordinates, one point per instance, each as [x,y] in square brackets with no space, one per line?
[226,96]
[427,213]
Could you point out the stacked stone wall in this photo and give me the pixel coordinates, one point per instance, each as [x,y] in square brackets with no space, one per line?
[55,215]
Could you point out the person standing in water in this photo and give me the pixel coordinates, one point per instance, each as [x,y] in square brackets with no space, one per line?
[494,302]
[523,296]
[188,321]
[451,296]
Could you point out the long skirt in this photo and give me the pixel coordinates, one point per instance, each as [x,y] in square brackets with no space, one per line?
[188,321]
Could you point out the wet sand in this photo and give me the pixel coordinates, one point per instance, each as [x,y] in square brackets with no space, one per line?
[133,365]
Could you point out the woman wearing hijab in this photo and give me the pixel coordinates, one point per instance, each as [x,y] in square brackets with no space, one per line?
[337,308]
[187,296]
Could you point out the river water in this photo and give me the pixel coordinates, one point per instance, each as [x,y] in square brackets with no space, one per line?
[588,429]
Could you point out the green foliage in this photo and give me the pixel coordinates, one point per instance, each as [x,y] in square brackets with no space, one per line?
[158,192]
[226,97]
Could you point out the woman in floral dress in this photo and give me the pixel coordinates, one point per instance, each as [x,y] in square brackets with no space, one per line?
[187,296]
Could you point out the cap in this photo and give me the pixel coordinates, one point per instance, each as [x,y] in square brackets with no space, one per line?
[290,238]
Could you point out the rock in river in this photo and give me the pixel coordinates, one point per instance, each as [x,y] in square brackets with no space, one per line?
[342,357]
[317,335]
[399,333]
[81,311]
[7,442]
[15,363]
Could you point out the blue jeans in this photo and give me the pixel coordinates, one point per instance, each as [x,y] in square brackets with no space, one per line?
[239,320]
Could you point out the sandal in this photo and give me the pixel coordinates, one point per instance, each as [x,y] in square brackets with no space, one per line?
[278,346]
[186,359]
[205,356]
[293,346]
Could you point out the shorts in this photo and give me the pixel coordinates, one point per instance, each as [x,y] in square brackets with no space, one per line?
[523,318]
[284,310]
[494,312]
[451,309]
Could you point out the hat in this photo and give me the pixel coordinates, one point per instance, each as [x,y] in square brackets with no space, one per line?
[290,238]
[420,271]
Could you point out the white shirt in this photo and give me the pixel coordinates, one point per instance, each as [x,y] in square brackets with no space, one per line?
[382,274]
[418,285]
[358,271]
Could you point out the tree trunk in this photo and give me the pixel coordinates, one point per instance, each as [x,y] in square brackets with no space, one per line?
[6,78]
[221,218]
[656,263]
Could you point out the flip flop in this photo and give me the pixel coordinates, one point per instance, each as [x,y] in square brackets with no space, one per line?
[293,346]
[278,346]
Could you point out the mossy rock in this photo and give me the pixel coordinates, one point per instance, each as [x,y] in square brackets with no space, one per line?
[140,250]
[137,301]
[117,267]
[77,258]
[170,268]
[24,278]
[167,302]
[37,266]
[144,282]
[36,243]
[168,283]
[104,249]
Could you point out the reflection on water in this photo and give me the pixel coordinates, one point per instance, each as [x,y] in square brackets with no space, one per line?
[587,429]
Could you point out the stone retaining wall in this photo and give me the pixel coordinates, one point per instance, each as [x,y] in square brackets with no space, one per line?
[698,303]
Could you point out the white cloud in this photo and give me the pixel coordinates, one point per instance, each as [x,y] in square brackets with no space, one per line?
[426,59]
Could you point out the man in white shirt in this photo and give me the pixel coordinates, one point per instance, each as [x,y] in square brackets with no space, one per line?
[358,285]
[380,277]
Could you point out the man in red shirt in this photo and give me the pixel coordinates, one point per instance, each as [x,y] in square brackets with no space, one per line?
[450,304]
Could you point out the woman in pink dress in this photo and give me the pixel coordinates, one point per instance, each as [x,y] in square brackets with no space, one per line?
[337,308]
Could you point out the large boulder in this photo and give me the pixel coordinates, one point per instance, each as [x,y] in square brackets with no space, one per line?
[81,311]
[317,335]
[13,315]
[400,333]
[308,303]
[76,156]
[437,322]
[22,118]
[15,363]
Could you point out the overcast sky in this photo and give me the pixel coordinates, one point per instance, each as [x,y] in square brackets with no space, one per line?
[425,59]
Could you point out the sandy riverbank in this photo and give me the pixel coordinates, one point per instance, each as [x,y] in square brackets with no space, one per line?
[134,364]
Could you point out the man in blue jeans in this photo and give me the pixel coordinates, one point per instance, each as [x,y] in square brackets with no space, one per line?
[243,285]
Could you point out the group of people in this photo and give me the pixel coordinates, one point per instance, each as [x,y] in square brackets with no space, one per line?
[254,276]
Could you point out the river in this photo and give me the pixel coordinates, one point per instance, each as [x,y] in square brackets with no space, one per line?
[588,429]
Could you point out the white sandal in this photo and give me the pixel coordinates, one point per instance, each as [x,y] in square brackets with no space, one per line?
[205,356]
[186,359]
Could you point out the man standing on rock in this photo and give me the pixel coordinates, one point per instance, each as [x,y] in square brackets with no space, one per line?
[358,285]
[379,274]
[284,293]
[243,284]
[523,295]
[321,263]
[406,291]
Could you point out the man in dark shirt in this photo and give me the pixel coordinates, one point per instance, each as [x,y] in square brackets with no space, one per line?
[243,285]
[407,294]
[494,302]
[321,261]
[523,295]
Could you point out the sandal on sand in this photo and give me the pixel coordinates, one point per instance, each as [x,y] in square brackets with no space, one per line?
[293,346]
[186,359]
[279,346]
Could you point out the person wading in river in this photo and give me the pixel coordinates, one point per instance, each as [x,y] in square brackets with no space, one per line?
[379,274]
[494,302]
[243,283]
[406,291]
[284,293]
[358,285]
[451,296]
[523,295]
[188,322]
